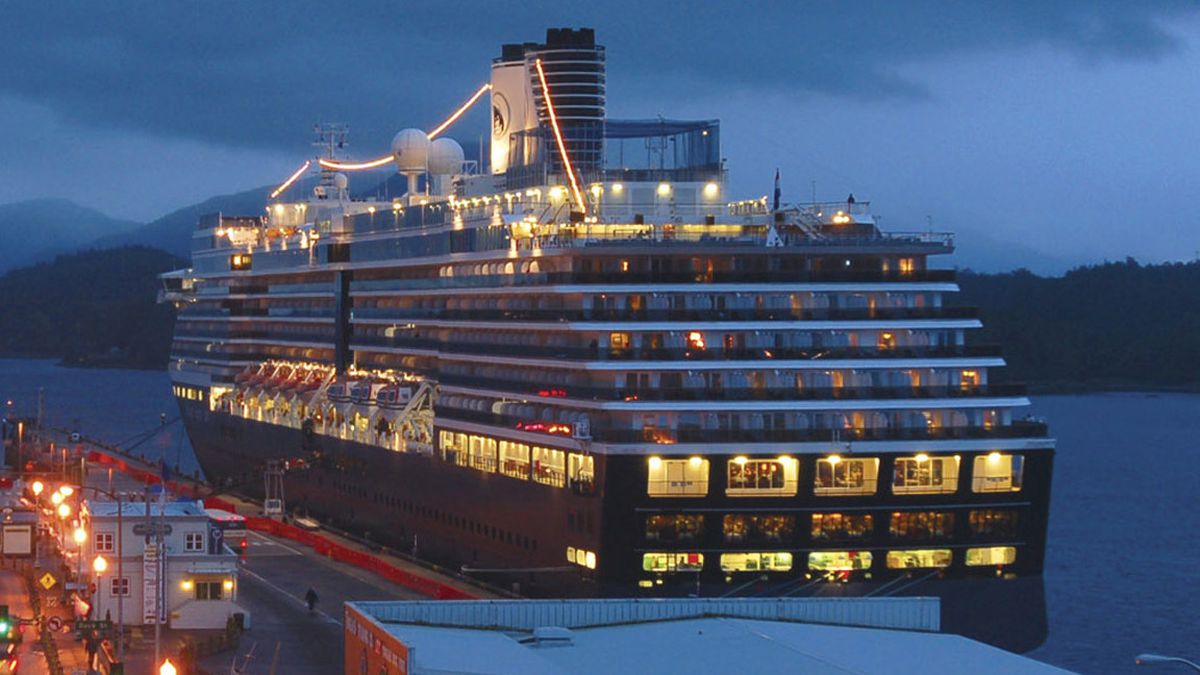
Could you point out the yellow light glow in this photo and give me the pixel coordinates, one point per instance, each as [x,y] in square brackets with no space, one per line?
[186,584]
[664,189]
[79,535]
[711,190]
[656,463]
[56,498]
[784,459]
[99,564]
[740,460]
[993,458]
[167,668]
[352,166]
[833,459]
[287,183]
[459,113]
[227,584]
[597,190]
[66,490]
[562,146]
[591,560]
[695,462]
[556,192]
[618,188]
[371,210]
[64,510]
[37,488]
[922,457]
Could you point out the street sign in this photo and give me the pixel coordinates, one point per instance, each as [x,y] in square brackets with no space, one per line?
[145,530]
[54,623]
[47,581]
[76,586]
[98,624]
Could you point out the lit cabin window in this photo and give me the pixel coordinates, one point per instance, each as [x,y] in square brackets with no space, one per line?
[549,466]
[839,561]
[923,475]
[997,472]
[992,555]
[239,261]
[677,477]
[969,379]
[756,562]
[619,343]
[921,525]
[759,529]
[886,341]
[846,476]
[483,453]
[918,558]
[581,470]
[907,266]
[514,459]
[755,477]
[454,447]
[674,527]
[841,526]
[672,562]
[994,523]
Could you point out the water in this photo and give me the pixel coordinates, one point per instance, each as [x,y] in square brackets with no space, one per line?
[117,406]
[1123,536]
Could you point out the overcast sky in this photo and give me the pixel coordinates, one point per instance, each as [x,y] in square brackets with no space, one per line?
[1068,128]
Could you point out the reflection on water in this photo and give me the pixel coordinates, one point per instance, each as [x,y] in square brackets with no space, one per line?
[1119,570]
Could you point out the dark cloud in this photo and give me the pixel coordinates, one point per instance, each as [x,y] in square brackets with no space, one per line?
[258,74]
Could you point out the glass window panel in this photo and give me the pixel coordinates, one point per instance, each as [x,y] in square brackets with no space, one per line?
[921,525]
[674,527]
[673,562]
[997,472]
[992,555]
[756,562]
[925,475]
[839,561]
[549,466]
[919,558]
[752,477]
[846,476]
[994,523]
[759,528]
[514,459]
[841,526]
[677,477]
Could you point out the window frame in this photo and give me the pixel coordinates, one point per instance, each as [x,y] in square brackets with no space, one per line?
[917,554]
[193,542]
[865,536]
[673,559]
[869,476]
[925,464]
[118,586]
[768,561]
[686,485]
[986,483]
[109,544]
[788,469]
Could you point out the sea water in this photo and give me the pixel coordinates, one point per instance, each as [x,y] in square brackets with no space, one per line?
[1123,556]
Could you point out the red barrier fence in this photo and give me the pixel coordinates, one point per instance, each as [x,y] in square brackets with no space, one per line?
[322,545]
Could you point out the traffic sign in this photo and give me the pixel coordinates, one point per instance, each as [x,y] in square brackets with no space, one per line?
[99,624]
[47,581]
[54,623]
[149,530]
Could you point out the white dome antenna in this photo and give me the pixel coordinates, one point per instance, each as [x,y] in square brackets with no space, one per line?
[410,151]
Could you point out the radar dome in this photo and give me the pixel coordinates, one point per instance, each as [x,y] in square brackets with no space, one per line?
[445,157]
[340,181]
[410,149]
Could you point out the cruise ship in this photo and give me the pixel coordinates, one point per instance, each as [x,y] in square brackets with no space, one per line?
[578,367]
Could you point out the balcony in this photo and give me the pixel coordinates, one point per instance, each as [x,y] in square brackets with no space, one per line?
[601,314]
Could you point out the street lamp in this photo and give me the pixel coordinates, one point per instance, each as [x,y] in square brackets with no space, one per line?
[167,668]
[80,536]
[1158,659]
[100,564]
[64,511]
[66,491]
[37,488]
[57,498]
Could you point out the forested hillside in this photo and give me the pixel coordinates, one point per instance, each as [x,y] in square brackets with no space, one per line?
[1111,325]
[90,308]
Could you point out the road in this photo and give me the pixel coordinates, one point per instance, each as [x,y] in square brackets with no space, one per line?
[13,594]
[274,578]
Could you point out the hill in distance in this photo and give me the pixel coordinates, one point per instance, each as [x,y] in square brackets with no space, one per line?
[38,229]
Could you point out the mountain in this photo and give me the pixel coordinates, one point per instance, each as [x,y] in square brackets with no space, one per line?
[978,251]
[173,232]
[98,307]
[37,229]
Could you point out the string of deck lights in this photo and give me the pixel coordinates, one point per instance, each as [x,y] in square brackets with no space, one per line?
[562,147]
[376,163]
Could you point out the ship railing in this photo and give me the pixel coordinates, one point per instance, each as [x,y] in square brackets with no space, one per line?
[831,314]
[596,353]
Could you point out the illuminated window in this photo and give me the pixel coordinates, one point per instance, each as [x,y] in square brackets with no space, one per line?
[923,474]
[994,523]
[677,477]
[549,466]
[514,459]
[672,562]
[919,558]
[674,527]
[695,340]
[969,379]
[886,341]
[907,266]
[753,477]
[453,447]
[921,525]
[756,562]
[582,470]
[839,561]
[482,453]
[992,555]
[619,343]
[239,261]
[841,476]
[759,529]
[841,526]
[996,472]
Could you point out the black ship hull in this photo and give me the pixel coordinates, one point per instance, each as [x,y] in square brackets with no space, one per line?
[513,534]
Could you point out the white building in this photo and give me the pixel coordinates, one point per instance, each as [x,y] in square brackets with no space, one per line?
[197,578]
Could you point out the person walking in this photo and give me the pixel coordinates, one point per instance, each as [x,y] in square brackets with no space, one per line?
[310,599]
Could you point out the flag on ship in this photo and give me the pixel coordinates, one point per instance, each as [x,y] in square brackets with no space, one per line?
[778,192]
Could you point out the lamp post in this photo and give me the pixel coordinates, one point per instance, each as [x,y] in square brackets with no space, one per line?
[120,567]
[80,536]
[99,565]
[1159,659]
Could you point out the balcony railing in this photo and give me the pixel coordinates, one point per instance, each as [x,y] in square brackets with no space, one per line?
[679,354]
[1021,429]
[599,314]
